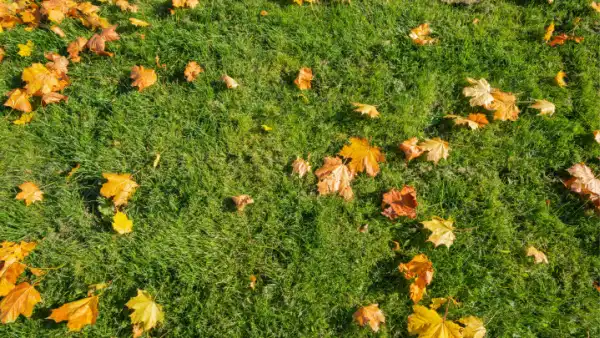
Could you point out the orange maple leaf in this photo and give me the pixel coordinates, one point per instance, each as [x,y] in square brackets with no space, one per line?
[504,106]
[119,187]
[400,203]
[78,313]
[241,201]
[19,301]
[421,270]
[30,193]
[420,35]
[370,314]
[305,76]
[192,70]
[335,177]
[18,99]
[142,77]
[363,156]
[411,149]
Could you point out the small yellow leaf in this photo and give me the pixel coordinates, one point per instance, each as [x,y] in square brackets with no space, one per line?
[473,327]
[241,201]
[119,187]
[545,107]
[30,193]
[37,272]
[26,49]
[597,135]
[192,70]
[473,121]
[266,128]
[252,282]
[24,119]
[142,77]
[305,76]
[441,231]
[121,223]
[436,148]
[300,167]
[156,161]
[138,23]
[596,6]
[539,257]
[73,170]
[366,109]
[480,92]
[420,35]
[549,32]
[559,79]
[230,82]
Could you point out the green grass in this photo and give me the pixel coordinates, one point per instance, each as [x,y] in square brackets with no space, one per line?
[314,269]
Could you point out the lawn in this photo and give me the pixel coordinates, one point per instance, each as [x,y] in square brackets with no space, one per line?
[189,248]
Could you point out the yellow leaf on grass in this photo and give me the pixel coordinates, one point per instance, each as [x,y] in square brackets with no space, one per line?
[2,53]
[8,276]
[119,187]
[138,23]
[473,327]
[429,324]
[156,161]
[19,301]
[252,282]
[504,106]
[30,193]
[142,77]
[300,167]
[363,156]
[559,79]
[266,128]
[549,32]
[473,121]
[480,92]
[78,313]
[229,82]
[436,148]
[441,231]
[11,252]
[596,6]
[420,35]
[19,100]
[545,107]
[421,270]
[597,135]
[303,81]
[370,314]
[539,257]
[366,109]
[121,223]
[24,119]
[192,70]
[584,175]
[25,49]
[411,149]
[335,177]
[241,201]
[146,313]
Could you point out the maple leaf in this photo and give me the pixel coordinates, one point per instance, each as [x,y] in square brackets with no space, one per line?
[436,148]
[58,63]
[185,3]
[366,109]
[421,270]
[335,177]
[30,193]
[558,40]
[305,76]
[504,106]
[545,107]
[252,282]
[24,119]
[370,314]
[58,31]
[19,301]
[125,6]
[121,223]
[11,252]
[400,203]
[480,92]
[411,149]
[241,201]
[146,313]
[8,276]
[25,49]
[142,78]
[78,313]
[473,327]
[539,257]
[97,43]
[76,47]
[19,100]
[597,135]
[40,80]
[192,70]
[364,157]
[473,121]
[420,35]
[549,32]
[138,23]
[119,187]
[559,79]
[428,324]
[596,6]
[229,82]
[53,97]
[586,177]
[300,167]
[441,231]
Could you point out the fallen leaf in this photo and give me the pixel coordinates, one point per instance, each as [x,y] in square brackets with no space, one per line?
[411,149]
[158,64]
[19,301]
[241,201]
[366,109]
[138,23]
[420,35]
[596,285]
[192,70]
[363,228]
[53,97]
[428,324]
[597,135]
[78,313]
[473,121]
[266,128]
[539,257]
[545,107]
[421,270]
[300,167]
[335,177]
[264,13]
[400,203]
[11,252]
[441,231]
[2,53]
[118,186]
[363,156]
[121,223]
[30,193]
[25,49]
[229,82]
[73,170]
[142,77]
[252,282]
[396,246]
[473,327]
[24,119]
[9,274]
[436,303]
[596,6]
[504,106]
[146,313]
[480,92]
[185,3]
[58,63]
[19,100]
[558,40]
[76,47]
[559,79]
[156,161]
[40,80]
[436,148]
[549,32]
[370,314]
[37,272]
[303,81]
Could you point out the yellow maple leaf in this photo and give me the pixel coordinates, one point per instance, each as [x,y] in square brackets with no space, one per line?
[229,82]
[19,100]
[366,109]
[559,79]
[138,23]
[545,107]
[436,148]
[421,270]
[596,135]
[504,106]
[300,167]
[480,92]
[335,177]
[305,76]
[19,301]
[428,324]
[538,256]
[11,252]
[40,80]
[549,32]
[78,313]
[363,156]
[121,223]
[25,49]
[241,201]
[192,70]
[420,35]
[370,314]
[142,77]
[30,193]
[441,231]
[596,6]
[473,327]
[8,276]
[146,313]
[411,149]
[119,187]
[473,121]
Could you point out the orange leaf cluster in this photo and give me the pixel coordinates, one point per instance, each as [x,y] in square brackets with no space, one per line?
[585,183]
[96,44]
[560,39]
[400,203]
[503,104]
[420,269]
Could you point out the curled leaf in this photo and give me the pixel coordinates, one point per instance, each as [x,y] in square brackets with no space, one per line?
[241,201]
[400,203]
[300,167]
[335,177]
[421,270]
[192,70]
[303,81]
[371,315]
[411,149]
[559,79]
[229,82]
[420,35]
